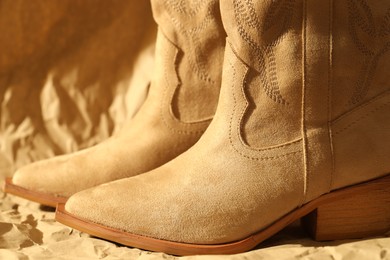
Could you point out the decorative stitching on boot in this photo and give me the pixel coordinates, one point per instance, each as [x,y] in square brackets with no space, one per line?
[330,86]
[361,21]
[363,117]
[304,132]
[203,124]
[365,104]
[195,26]
[239,125]
[181,11]
[245,15]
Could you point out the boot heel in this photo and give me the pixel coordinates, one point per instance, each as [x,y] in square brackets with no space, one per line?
[360,211]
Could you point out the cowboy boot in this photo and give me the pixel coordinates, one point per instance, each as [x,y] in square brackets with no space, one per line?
[179,107]
[302,127]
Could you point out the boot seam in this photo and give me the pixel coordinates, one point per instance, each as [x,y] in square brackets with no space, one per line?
[166,96]
[363,117]
[330,95]
[361,106]
[303,126]
[239,130]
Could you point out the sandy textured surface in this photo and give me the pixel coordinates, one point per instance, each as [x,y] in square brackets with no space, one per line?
[71,74]
[30,232]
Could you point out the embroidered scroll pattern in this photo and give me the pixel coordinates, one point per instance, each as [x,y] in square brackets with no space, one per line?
[270,32]
[371,40]
[184,15]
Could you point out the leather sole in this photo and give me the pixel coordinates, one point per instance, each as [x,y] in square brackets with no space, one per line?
[36,196]
[375,195]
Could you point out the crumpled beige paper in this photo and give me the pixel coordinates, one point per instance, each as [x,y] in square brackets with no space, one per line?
[71,73]
[28,231]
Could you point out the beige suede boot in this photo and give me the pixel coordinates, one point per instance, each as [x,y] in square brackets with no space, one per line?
[302,126]
[181,102]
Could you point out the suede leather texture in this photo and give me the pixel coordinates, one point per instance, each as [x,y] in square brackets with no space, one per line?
[163,128]
[293,122]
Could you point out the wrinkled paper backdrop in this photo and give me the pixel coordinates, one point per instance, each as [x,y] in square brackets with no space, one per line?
[71,73]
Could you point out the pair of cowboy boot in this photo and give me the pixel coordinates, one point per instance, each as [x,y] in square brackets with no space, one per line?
[301,130]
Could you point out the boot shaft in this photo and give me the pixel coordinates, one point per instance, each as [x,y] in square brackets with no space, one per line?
[192,32]
[303,71]
[336,54]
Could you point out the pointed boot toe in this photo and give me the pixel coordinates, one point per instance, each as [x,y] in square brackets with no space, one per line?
[158,211]
[302,130]
[178,109]
[35,182]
